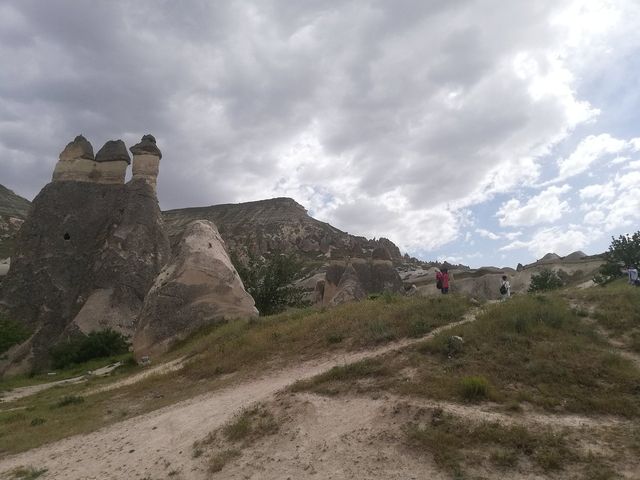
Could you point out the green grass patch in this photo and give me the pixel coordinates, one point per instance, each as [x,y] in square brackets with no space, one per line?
[339,378]
[250,424]
[241,344]
[451,440]
[219,460]
[474,389]
[69,400]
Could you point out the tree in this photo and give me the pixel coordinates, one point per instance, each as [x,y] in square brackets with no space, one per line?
[269,281]
[545,280]
[623,251]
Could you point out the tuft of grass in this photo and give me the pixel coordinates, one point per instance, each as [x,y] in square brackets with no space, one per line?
[450,439]
[339,378]
[37,421]
[250,424]
[69,400]
[219,460]
[474,389]
[27,473]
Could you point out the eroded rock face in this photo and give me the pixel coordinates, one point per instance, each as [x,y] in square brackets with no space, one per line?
[198,287]
[146,160]
[76,161]
[371,276]
[85,258]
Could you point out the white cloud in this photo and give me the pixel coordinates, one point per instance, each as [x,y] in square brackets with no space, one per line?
[598,191]
[555,239]
[594,217]
[588,151]
[546,207]
[487,234]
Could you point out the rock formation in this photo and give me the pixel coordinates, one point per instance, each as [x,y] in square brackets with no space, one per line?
[146,160]
[276,225]
[13,211]
[355,278]
[198,287]
[86,255]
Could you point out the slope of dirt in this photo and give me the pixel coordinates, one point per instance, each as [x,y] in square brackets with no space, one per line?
[154,444]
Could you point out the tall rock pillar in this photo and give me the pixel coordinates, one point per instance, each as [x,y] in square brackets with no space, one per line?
[146,160]
[76,162]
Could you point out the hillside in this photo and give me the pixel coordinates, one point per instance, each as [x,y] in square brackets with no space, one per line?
[13,211]
[539,387]
[275,225]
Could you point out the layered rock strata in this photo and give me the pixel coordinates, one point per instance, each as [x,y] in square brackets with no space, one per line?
[198,287]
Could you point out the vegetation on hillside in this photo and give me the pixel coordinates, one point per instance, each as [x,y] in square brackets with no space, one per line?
[269,282]
[623,251]
[77,350]
[544,281]
[11,333]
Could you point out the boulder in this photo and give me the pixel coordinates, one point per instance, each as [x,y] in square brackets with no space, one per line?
[198,287]
[113,151]
[349,288]
[80,147]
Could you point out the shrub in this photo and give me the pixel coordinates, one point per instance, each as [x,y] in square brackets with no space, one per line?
[11,333]
[474,389]
[95,345]
[269,282]
[69,400]
[545,280]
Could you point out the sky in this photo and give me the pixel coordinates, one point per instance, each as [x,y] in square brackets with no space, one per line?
[481,132]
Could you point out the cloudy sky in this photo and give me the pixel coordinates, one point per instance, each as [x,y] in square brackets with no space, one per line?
[484,132]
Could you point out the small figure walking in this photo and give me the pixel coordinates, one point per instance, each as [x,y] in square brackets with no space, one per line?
[633,275]
[505,288]
[442,280]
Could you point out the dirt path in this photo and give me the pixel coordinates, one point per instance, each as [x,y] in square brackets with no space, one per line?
[161,441]
[21,392]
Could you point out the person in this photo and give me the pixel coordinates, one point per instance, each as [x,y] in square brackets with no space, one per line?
[505,288]
[633,275]
[442,280]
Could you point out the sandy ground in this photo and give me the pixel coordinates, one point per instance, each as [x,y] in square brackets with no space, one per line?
[160,442]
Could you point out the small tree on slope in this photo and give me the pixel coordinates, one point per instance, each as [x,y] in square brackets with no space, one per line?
[545,280]
[623,251]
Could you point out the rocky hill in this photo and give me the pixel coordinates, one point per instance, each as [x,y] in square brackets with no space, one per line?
[276,225]
[13,211]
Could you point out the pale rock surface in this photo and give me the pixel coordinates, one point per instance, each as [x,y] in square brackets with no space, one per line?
[146,160]
[198,287]
[349,289]
[112,161]
[76,162]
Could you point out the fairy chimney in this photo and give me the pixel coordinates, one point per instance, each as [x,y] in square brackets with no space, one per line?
[146,160]
[76,162]
[112,161]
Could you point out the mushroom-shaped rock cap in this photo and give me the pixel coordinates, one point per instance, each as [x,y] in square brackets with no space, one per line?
[113,151]
[146,146]
[79,148]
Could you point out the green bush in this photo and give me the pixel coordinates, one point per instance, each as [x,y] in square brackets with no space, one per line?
[544,281]
[95,345]
[269,282]
[11,333]
[474,389]
[69,400]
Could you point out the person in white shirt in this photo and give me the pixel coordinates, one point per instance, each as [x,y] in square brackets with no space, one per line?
[505,288]
[633,274]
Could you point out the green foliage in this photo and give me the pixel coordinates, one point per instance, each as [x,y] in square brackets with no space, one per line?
[11,333]
[269,281]
[69,400]
[474,389]
[27,473]
[544,281]
[625,249]
[95,345]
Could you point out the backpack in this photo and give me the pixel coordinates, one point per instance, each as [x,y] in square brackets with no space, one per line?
[439,284]
[503,289]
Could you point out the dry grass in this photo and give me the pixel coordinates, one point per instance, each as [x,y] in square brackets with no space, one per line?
[531,349]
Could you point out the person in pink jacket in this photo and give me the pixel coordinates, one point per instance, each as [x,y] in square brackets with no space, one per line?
[442,280]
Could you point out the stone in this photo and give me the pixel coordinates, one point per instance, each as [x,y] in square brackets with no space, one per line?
[147,146]
[198,287]
[78,148]
[349,288]
[113,151]
[455,345]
